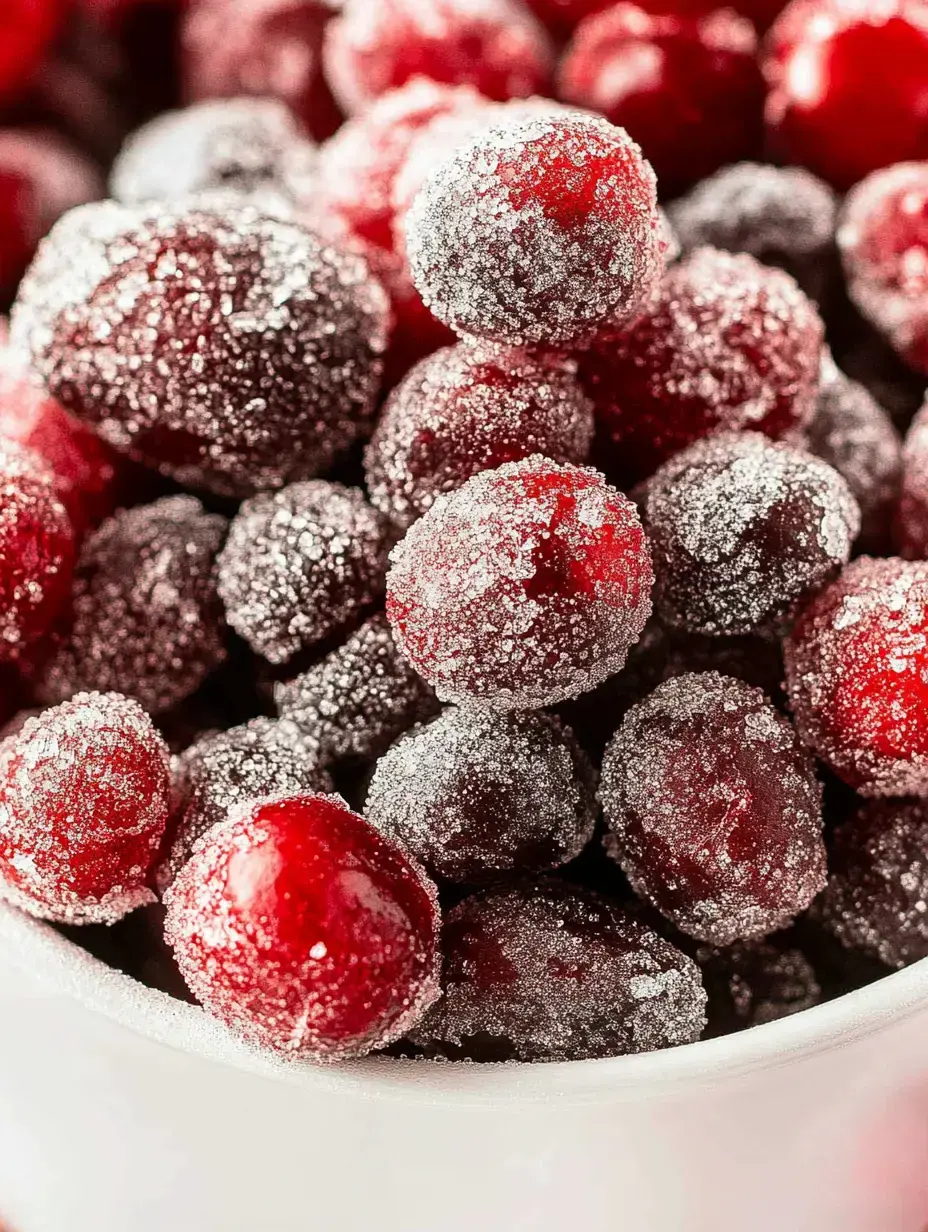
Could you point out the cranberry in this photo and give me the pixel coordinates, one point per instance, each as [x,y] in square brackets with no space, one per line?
[359,698]
[474,795]
[742,530]
[561,16]
[304,930]
[847,85]
[857,676]
[84,800]
[726,344]
[493,45]
[301,564]
[714,809]
[27,28]
[416,333]
[754,982]
[269,48]
[145,614]
[467,409]
[549,972]
[524,587]
[541,229]
[687,88]
[912,515]
[265,359]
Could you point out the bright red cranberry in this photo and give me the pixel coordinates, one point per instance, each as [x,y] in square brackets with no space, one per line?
[688,89]
[27,28]
[848,85]
[522,588]
[304,930]
[742,531]
[857,676]
[528,971]
[270,48]
[753,982]
[84,800]
[912,515]
[493,45]
[473,796]
[727,344]
[467,409]
[714,809]
[264,361]
[542,229]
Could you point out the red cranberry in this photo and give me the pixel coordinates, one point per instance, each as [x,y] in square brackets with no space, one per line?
[524,587]
[467,409]
[27,28]
[84,800]
[474,795]
[265,359]
[416,333]
[529,972]
[857,676]
[727,344]
[912,515]
[688,89]
[542,229]
[754,982]
[493,45]
[742,530]
[304,930]
[561,16]
[301,564]
[847,85]
[714,809]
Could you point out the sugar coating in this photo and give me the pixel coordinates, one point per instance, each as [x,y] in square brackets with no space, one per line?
[241,143]
[857,676]
[875,900]
[754,982]
[524,587]
[474,795]
[359,698]
[232,350]
[912,516]
[742,530]
[466,409]
[714,810]
[541,229]
[550,972]
[84,800]
[145,614]
[300,564]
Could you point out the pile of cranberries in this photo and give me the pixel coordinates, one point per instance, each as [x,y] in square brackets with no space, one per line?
[464,510]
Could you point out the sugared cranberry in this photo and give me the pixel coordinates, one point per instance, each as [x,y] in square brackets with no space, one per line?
[714,809]
[875,898]
[145,617]
[301,564]
[474,795]
[467,409]
[727,344]
[530,971]
[304,930]
[912,516]
[231,350]
[883,237]
[415,333]
[753,982]
[857,676]
[359,698]
[493,45]
[847,85]
[742,531]
[541,229]
[27,28]
[84,800]
[524,587]
[687,88]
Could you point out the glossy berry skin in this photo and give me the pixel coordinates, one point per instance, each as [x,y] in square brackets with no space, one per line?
[493,45]
[528,970]
[727,343]
[303,930]
[27,28]
[848,86]
[714,809]
[84,800]
[911,529]
[524,587]
[857,676]
[698,105]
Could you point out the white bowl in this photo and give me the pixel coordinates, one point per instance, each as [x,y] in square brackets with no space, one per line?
[123,1110]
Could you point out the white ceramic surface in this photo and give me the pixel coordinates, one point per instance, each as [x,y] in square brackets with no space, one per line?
[122,1110]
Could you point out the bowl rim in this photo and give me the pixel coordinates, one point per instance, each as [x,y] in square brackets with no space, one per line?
[63,966]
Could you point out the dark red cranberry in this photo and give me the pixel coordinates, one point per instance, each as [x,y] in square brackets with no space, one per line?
[754,982]
[912,514]
[27,28]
